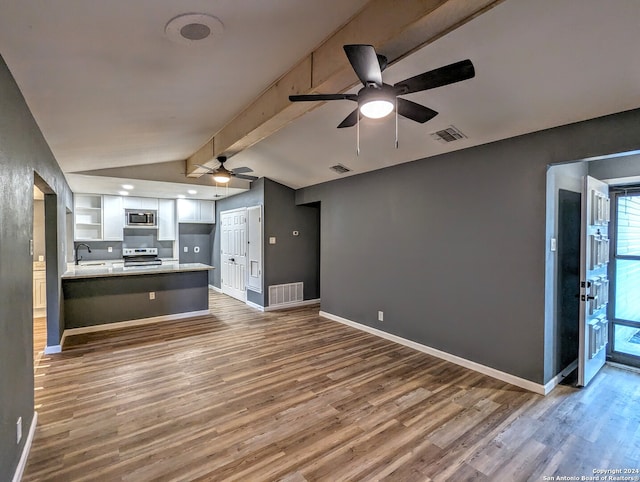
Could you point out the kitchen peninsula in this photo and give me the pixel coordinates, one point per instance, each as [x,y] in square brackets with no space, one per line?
[97,295]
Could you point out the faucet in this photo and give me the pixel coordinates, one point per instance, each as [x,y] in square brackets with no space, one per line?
[77,248]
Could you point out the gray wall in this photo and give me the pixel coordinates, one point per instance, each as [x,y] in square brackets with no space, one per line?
[616,168]
[194,235]
[292,258]
[23,155]
[95,301]
[452,248]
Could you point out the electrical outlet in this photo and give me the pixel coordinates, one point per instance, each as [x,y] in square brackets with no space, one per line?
[152,295]
[380,315]
[186,249]
[110,249]
[272,240]
[19,430]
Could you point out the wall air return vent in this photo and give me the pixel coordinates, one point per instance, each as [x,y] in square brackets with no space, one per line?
[450,134]
[340,169]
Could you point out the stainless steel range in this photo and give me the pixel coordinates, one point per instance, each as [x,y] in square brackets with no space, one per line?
[141,256]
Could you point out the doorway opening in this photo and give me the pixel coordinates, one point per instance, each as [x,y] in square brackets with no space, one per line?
[39,277]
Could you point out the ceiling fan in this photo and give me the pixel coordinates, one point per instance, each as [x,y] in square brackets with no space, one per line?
[223,175]
[377,99]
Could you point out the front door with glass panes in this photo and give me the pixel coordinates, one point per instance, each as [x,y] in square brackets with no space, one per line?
[624,346]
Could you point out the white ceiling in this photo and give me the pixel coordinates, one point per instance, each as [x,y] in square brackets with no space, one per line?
[109,89]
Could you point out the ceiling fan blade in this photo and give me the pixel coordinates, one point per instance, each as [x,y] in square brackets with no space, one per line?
[316,97]
[244,176]
[448,74]
[365,62]
[241,170]
[350,120]
[415,112]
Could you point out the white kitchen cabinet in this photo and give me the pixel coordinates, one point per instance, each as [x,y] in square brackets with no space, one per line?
[39,291]
[112,218]
[87,217]
[196,211]
[207,211]
[166,220]
[140,203]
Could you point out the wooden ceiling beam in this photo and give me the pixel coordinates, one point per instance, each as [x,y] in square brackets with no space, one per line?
[395,28]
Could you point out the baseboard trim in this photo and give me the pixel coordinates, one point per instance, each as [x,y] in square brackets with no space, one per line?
[485,370]
[553,383]
[255,305]
[293,304]
[215,288]
[129,323]
[50,350]
[22,463]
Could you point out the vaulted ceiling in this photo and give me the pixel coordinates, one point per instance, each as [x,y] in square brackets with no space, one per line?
[111,90]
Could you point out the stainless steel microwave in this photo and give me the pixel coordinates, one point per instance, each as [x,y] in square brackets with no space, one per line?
[135,218]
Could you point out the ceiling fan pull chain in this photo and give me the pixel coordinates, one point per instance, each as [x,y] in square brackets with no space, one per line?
[358,135]
[396,122]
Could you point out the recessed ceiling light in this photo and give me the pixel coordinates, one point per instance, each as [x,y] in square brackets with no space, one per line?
[127,186]
[181,196]
[194,29]
[192,191]
[123,193]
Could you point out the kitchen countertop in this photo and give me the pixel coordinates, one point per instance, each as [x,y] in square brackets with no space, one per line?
[89,271]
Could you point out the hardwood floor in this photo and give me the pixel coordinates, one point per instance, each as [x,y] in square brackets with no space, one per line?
[39,337]
[250,396]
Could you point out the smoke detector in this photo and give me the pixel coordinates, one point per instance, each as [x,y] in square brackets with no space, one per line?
[194,29]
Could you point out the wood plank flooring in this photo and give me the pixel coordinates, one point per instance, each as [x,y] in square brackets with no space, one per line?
[39,337]
[249,396]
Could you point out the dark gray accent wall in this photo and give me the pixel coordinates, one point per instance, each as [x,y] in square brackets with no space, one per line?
[194,235]
[95,301]
[24,155]
[452,248]
[253,197]
[292,258]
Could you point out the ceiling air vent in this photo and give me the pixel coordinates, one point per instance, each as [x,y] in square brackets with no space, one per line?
[450,134]
[340,169]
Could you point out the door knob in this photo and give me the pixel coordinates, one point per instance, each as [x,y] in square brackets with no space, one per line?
[233,260]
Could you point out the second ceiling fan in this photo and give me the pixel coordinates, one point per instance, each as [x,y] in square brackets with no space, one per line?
[223,175]
[377,99]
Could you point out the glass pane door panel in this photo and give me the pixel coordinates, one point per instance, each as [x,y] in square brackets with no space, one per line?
[627,290]
[627,339]
[628,235]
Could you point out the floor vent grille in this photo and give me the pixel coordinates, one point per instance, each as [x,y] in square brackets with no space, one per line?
[286,293]
[450,134]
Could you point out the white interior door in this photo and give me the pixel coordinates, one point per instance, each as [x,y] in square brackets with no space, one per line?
[594,285]
[233,253]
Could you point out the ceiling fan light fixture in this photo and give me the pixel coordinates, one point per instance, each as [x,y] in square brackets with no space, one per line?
[376,109]
[222,176]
